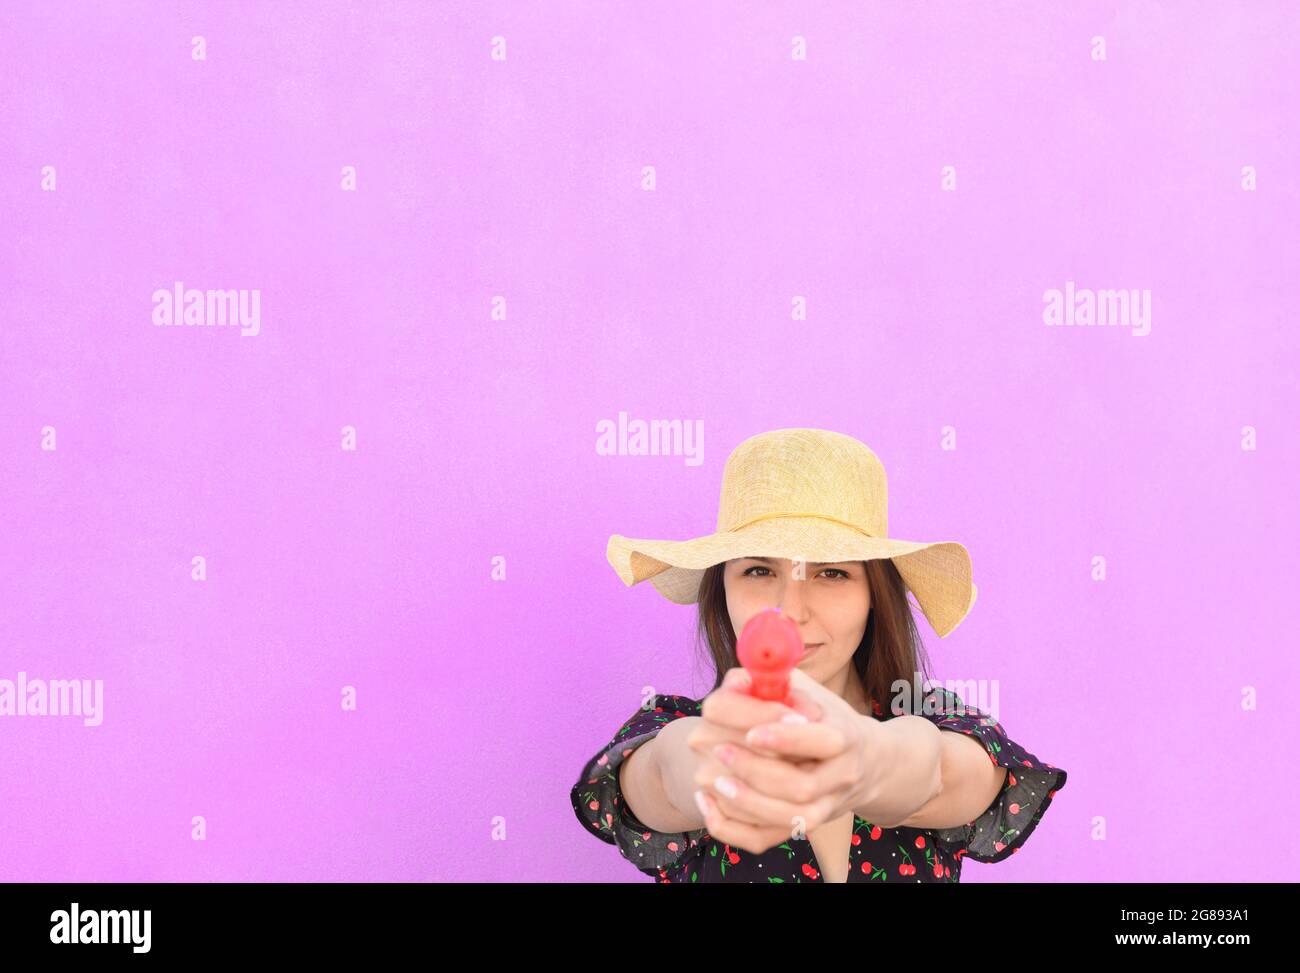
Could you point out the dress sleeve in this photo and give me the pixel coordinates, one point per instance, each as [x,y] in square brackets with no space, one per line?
[1026,795]
[599,805]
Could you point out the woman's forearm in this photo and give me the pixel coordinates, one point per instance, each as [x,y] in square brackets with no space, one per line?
[655,780]
[910,755]
[677,764]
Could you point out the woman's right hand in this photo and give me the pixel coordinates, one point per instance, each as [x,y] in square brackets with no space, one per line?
[729,712]
[726,716]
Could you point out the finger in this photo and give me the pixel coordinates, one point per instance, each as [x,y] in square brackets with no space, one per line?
[706,804]
[741,710]
[737,834]
[801,680]
[762,790]
[786,818]
[801,701]
[805,685]
[705,736]
[706,776]
[738,678]
[804,741]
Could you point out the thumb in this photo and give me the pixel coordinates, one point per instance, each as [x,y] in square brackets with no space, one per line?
[801,702]
[805,693]
[737,678]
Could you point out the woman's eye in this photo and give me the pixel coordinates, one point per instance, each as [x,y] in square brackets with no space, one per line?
[839,573]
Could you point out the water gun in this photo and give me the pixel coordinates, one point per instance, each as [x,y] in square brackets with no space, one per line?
[769,647]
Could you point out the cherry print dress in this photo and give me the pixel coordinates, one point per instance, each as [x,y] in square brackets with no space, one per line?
[876,854]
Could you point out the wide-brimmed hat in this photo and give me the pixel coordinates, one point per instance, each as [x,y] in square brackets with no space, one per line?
[811,495]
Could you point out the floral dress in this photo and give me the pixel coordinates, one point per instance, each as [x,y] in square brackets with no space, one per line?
[876,854]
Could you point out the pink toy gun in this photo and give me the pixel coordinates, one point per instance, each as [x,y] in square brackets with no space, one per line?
[769,647]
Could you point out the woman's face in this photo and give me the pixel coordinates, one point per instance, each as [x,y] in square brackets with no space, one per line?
[829,602]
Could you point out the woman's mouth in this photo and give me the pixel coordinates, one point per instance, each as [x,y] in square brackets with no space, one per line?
[810,649]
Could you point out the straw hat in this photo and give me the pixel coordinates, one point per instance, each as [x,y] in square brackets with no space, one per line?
[804,494]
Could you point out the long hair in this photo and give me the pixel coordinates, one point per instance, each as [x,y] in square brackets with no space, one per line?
[890,649]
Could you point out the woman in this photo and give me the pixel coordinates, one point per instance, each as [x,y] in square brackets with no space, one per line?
[692,790]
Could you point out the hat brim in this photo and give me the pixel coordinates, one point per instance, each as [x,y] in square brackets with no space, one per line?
[938,573]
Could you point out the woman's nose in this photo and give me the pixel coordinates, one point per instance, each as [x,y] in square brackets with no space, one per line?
[792,599]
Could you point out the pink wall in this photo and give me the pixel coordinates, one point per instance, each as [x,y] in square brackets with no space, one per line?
[522,178]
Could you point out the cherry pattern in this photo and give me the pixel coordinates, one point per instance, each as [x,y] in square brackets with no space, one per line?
[876,854]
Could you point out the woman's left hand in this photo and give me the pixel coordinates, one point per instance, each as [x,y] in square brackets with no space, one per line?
[824,769]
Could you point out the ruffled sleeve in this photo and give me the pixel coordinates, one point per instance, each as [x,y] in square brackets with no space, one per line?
[598,802]
[1026,795]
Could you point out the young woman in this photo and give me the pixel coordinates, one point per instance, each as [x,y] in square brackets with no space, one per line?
[855,782]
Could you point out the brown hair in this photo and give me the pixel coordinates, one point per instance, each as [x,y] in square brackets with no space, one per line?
[890,649]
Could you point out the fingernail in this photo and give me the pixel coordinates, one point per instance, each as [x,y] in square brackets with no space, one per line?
[760,735]
[794,718]
[702,803]
[725,752]
[726,787]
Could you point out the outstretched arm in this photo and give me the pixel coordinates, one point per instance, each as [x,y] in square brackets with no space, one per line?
[970,782]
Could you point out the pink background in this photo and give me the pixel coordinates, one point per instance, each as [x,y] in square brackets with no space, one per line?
[476,437]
